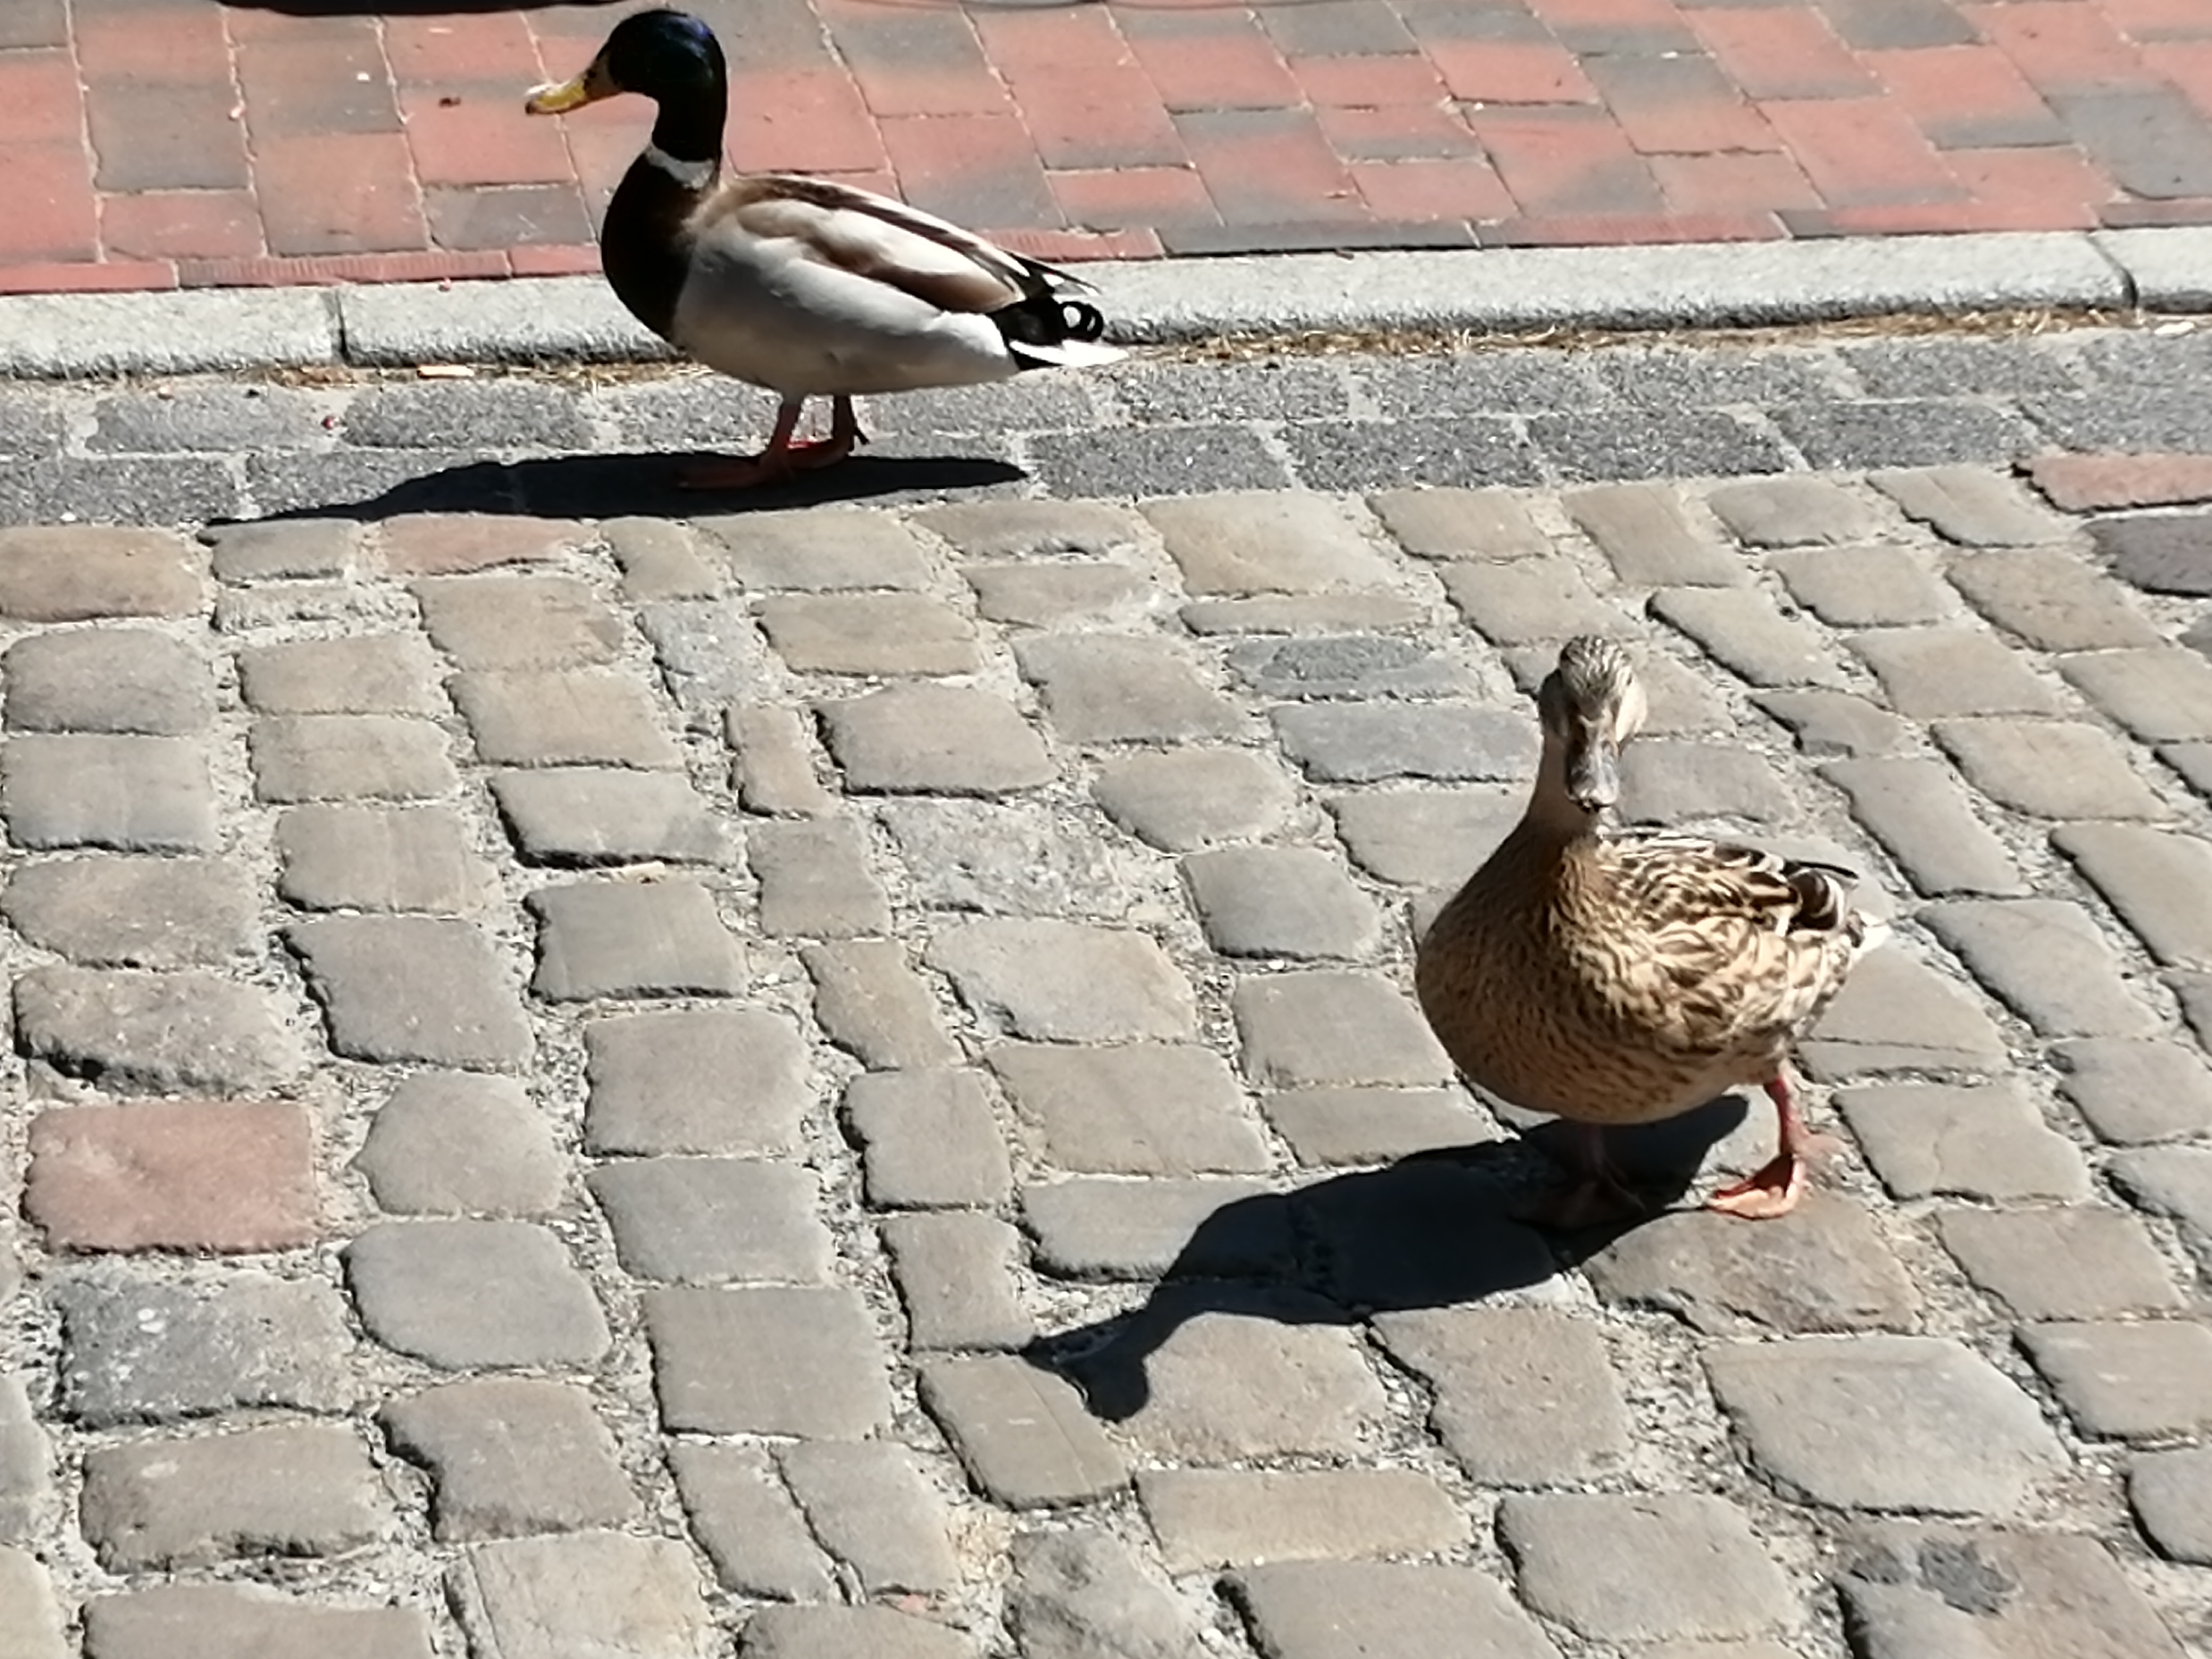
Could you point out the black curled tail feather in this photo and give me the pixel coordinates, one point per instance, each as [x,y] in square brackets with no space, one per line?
[1824,895]
[1046,319]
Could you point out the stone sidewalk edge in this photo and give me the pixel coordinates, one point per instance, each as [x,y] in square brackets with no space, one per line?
[1683,285]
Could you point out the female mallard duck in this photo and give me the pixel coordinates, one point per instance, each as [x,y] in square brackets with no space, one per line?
[808,287]
[1627,978]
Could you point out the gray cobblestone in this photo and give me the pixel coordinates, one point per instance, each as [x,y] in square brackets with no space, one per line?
[874,1005]
[349,757]
[1047,595]
[659,561]
[1668,780]
[1326,1126]
[27,1466]
[587,815]
[615,938]
[1229,1517]
[1792,513]
[747,1522]
[707,1220]
[870,1506]
[28,1611]
[1326,1028]
[2046,959]
[1362,612]
[2041,1264]
[1895,1013]
[2135,1093]
[1082,1593]
[379,858]
[577,717]
[396,988]
[1135,1109]
[775,764]
[1292,902]
[1743,631]
[2162,696]
[1986,1142]
[1188,798]
[2177,1181]
[518,622]
[75,572]
[2049,769]
[1905,1422]
[1460,524]
[1647,538]
[1972,506]
[817,1367]
[1266,542]
[461,1294]
[1869,586]
[1112,688]
[1836,724]
[1022,1434]
[108,679]
[710,652]
[934,739]
[288,1489]
[927,1140]
[2169,1492]
[889,633]
[2160,882]
[1530,602]
[1934,673]
[124,912]
[1025,860]
[214,1621]
[2193,761]
[1634,1568]
[132,793]
[955,1271]
[1446,742]
[594,1592]
[1115,1229]
[830,1632]
[1345,665]
[660,1083]
[1300,1610]
[2050,598]
[2159,552]
[1424,837]
[511,1455]
[819,549]
[1921,432]
[369,673]
[2133,1382]
[1060,981]
[815,881]
[1021,530]
[1915,811]
[138,1033]
[452,1143]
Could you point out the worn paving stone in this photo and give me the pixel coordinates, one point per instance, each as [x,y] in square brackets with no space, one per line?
[26,1467]
[518,622]
[1912,807]
[28,1610]
[2171,1495]
[398,988]
[774,766]
[1187,797]
[575,717]
[1668,780]
[1114,688]
[453,543]
[108,679]
[1634,1568]
[1266,542]
[2049,1264]
[1027,529]
[1523,1396]
[509,1456]
[217,1621]
[928,1139]
[888,634]
[1885,1422]
[1290,901]
[1831,725]
[815,880]
[2177,1181]
[460,1294]
[2046,959]
[2158,552]
[135,794]
[2049,769]
[1366,665]
[1231,1517]
[1986,1142]
[1792,513]
[1333,1028]
[659,561]
[291,1489]
[1060,981]
[818,1371]
[2162,696]
[1365,614]
[1896,1013]
[819,549]
[710,653]
[706,1221]
[2161,883]
[1082,1592]
[1972,506]
[872,1004]
[1134,1108]
[1460,524]
[1354,743]
[1875,586]
[1939,673]
[617,938]
[2128,1381]
[1022,1433]
[1646,537]
[456,1143]
[660,1083]
[747,1523]
[1115,1229]
[379,858]
[1424,837]
[141,1033]
[1742,630]
[584,1593]
[872,1507]
[152,1353]
[2134,1093]
[955,1272]
[1823,1268]
[1333,1126]
[933,740]
[1048,595]
[998,859]
[584,816]
[214,1175]
[1530,602]
[829,1633]
[300,757]
[1912,1589]
[2052,600]
[275,550]
[1334,1609]
[76,572]
[124,912]
[2193,761]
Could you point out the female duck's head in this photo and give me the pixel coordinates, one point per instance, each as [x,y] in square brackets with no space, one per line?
[1590,705]
[670,56]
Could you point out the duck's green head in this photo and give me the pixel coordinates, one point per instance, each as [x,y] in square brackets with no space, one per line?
[670,56]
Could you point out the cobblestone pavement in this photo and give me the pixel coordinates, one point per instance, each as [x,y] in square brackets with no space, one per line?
[842,1080]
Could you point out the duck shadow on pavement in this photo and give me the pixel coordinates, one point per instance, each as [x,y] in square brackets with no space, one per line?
[1433,1229]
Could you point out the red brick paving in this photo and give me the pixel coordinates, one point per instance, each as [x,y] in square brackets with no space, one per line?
[166,141]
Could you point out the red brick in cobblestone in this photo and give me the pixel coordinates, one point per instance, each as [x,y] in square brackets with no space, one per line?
[2095,483]
[180,1175]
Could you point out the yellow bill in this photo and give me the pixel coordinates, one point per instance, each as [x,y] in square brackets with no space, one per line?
[557,98]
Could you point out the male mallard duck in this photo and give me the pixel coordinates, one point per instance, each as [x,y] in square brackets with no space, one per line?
[1627,978]
[808,287]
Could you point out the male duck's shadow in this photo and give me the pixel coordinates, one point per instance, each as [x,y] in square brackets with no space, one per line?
[645,486]
[1431,1230]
